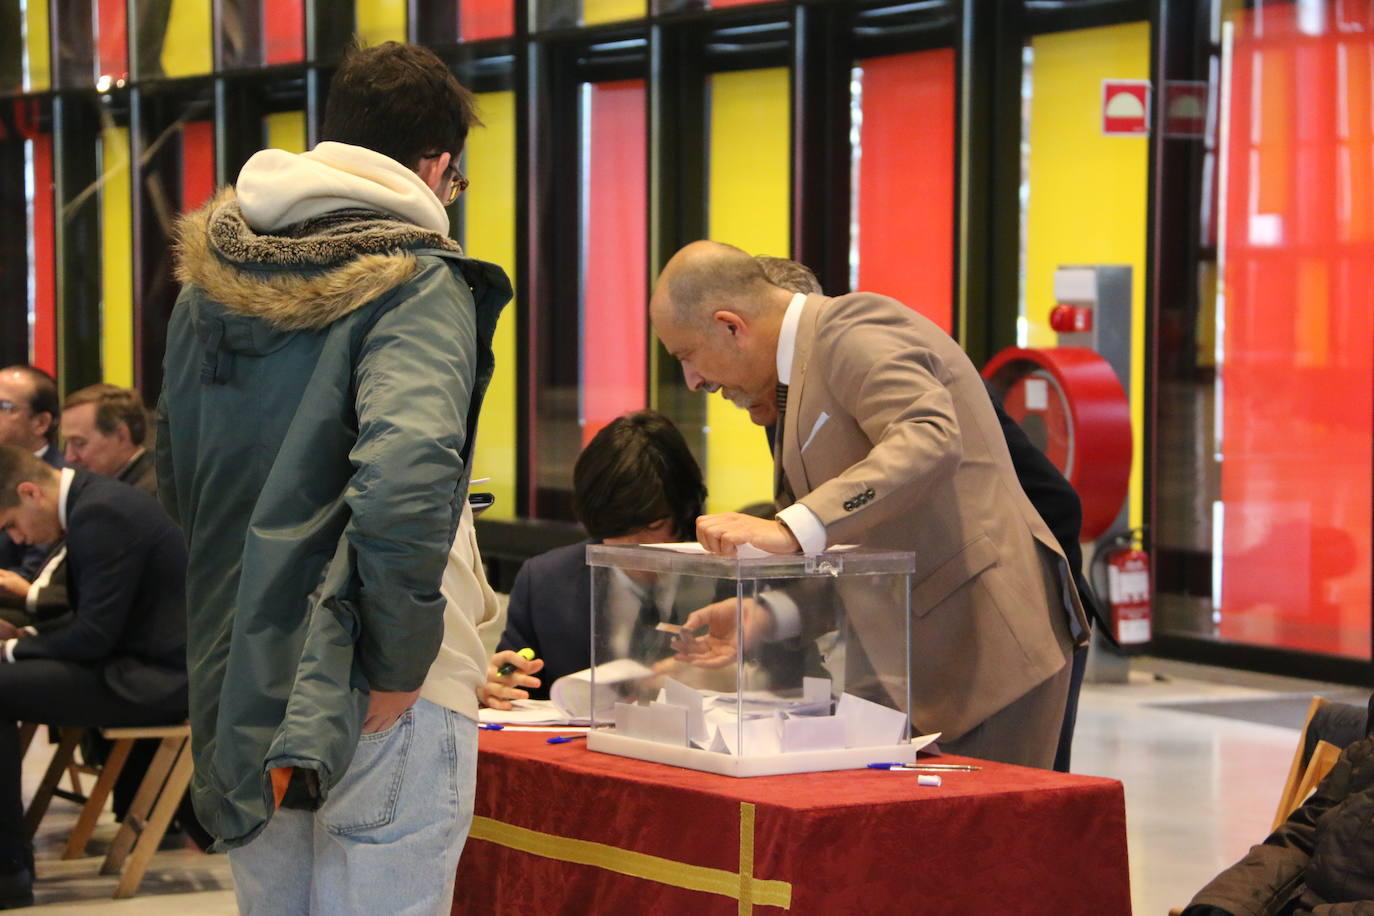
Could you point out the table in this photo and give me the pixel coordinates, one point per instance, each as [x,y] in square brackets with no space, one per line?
[561,829]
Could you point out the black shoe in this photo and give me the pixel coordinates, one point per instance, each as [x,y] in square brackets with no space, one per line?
[16,889]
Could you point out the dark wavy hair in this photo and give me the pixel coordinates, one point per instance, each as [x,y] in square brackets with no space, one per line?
[399,100]
[636,471]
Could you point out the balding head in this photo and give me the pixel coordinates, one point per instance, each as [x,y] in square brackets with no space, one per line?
[705,277]
[716,313]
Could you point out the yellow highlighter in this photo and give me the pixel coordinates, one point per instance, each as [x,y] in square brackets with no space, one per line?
[526,653]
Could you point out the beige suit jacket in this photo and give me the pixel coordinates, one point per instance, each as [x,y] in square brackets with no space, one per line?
[891,440]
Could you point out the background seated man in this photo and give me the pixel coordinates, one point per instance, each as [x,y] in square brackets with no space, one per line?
[105,428]
[121,660]
[106,431]
[28,419]
[636,482]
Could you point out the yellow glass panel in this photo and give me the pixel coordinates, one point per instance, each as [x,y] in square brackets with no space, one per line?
[381,20]
[116,250]
[187,49]
[1088,192]
[598,11]
[749,206]
[490,211]
[286,130]
[37,67]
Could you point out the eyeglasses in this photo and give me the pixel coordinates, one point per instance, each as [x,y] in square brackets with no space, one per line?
[457,184]
[12,407]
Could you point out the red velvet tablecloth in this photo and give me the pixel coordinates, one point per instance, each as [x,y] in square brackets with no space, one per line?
[564,830]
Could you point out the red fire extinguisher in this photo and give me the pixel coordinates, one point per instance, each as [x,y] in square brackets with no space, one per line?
[1128,590]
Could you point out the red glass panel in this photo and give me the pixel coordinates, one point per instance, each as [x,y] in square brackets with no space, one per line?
[906,181]
[112,39]
[283,31]
[478,19]
[45,293]
[615,276]
[197,163]
[1296,370]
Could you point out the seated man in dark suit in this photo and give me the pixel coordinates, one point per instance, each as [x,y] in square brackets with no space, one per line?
[105,428]
[121,660]
[28,419]
[636,482]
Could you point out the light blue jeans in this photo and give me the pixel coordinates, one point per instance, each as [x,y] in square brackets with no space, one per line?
[387,839]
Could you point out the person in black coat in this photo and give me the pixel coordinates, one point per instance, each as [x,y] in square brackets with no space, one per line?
[121,660]
[636,482]
[1319,861]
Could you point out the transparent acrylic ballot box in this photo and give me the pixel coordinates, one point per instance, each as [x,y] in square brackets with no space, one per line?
[750,667]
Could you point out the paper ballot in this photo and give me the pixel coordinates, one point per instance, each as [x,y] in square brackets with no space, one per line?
[570,697]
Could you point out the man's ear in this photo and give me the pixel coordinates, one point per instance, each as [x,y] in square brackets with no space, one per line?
[29,492]
[731,322]
[122,434]
[431,169]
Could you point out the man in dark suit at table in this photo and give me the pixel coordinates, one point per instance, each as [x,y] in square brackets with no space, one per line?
[106,428]
[888,440]
[28,419]
[636,482]
[121,660]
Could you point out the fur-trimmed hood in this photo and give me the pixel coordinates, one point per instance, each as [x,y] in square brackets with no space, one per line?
[308,275]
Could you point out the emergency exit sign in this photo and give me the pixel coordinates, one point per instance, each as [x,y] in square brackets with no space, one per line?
[1126,108]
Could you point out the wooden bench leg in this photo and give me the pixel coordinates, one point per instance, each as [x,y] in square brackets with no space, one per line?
[173,790]
[95,803]
[26,732]
[144,799]
[62,757]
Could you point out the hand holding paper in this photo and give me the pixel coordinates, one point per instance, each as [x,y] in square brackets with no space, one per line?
[716,648]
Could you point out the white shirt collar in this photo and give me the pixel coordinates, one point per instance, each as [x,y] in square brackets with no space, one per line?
[41,452]
[787,338]
[63,489]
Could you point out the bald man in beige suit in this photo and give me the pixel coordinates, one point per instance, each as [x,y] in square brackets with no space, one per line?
[889,440]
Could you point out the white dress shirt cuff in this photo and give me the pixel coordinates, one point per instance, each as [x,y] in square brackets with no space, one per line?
[786,615]
[805,527]
[9,649]
[31,600]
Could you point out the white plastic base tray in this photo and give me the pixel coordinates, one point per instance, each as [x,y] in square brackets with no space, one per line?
[850,758]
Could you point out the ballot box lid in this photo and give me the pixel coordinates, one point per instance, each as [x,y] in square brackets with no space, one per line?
[690,559]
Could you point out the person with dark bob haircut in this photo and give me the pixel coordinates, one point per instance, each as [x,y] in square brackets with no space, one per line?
[326,363]
[636,482]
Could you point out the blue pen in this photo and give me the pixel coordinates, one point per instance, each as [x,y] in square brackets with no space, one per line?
[563,739]
[490,726]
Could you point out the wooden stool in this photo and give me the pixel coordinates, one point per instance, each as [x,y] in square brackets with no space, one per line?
[153,807]
[61,762]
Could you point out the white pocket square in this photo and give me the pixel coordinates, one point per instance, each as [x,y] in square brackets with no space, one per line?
[820,421]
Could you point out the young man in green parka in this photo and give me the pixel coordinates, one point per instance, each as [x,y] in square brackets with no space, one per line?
[325,368]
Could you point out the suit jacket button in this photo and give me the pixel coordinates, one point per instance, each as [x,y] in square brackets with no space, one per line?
[849,505]
[870,493]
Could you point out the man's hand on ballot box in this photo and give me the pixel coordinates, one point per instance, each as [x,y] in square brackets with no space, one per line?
[720,644]
[725,532]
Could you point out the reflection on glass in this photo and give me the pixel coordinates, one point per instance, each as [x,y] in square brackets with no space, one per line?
[1295,374]
[900,158]
[614,339]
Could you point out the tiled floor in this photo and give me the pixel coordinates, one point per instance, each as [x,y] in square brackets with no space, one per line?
[1200,789]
